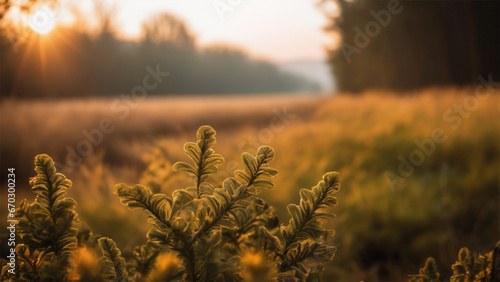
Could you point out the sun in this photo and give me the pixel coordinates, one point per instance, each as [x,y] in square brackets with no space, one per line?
[42,20]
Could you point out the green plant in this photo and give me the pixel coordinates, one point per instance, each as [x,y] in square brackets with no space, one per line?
[47,227]
[48,231]
[469,267]
[212,230]
[203,232]
[428,273]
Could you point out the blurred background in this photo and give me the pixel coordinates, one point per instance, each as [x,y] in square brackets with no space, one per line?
[111,90]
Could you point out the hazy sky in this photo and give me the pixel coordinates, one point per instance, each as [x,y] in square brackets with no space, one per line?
[279,30]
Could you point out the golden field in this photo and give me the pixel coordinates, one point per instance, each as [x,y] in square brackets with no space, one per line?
[446,197]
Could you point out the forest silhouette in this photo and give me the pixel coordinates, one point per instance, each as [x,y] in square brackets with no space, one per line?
[72,62]
[404,45]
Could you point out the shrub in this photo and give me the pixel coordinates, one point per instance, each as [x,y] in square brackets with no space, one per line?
[469,267]
[203,232]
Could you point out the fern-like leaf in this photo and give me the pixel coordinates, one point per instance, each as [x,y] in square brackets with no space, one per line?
[112,265]
[306,251]
[256,166]
[227,203]
[472,266]
[138,196]
[158,206]
[49,224]
[205,160]
[428,273]
[305,225]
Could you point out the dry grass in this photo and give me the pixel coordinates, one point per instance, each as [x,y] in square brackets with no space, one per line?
[32,127]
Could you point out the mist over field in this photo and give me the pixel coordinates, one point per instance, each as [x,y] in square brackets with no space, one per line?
[403,102]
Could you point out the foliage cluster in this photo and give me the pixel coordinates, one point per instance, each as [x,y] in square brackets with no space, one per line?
[469,267]
[202,233]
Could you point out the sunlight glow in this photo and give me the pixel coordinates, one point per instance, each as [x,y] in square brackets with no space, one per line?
[278,30]
[42,20]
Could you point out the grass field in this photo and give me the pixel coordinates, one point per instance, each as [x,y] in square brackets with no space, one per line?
[420,172]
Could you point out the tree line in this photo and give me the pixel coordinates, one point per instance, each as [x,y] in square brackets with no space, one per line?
[402,45]
[70,62]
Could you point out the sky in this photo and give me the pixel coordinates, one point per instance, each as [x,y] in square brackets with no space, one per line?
[287,32]
[276,30]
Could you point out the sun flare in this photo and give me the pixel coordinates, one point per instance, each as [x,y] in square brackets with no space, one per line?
[42,20]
